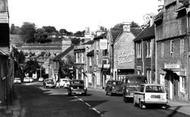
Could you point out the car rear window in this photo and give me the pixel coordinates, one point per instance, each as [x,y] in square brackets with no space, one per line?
[116,82]
[77,82]
[155,89]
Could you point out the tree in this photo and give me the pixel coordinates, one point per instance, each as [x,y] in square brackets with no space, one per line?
[41,36]
[12,30]
[15,29]
[49,29]
[134,24]
[79,34]
[28,30]
[31,66]
[75,41]
[19,59]
[66,67]
[65,32]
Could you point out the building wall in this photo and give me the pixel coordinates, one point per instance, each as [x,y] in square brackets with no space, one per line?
[144,65]
[172,69]
[124,52]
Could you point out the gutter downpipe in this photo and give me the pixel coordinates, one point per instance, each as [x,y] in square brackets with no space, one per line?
[188,48]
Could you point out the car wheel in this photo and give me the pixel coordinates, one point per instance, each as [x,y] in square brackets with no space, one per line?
[84,94]
[134,103]
[106,93]
[125,99]
[69,93]
[110,93]
[141,105]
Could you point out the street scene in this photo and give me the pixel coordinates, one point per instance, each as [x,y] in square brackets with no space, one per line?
[95,59]
[37,101]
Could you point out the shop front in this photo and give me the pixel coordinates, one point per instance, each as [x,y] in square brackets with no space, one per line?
[175,80]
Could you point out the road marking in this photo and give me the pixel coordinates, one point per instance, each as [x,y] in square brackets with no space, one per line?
[80,99]
[87,104]
[96,110]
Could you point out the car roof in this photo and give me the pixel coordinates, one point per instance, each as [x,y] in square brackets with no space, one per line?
[76,80]
[152,84]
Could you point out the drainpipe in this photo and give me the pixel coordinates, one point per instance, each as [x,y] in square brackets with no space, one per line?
[188,48]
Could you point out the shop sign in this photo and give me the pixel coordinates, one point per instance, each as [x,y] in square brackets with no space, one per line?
[103,44]
[171,66]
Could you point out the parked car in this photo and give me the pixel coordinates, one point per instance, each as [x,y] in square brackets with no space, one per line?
[49,83]
[26,80]
[131,84]
[40,79]
[113,87]
[150,94]
[31,79]
[17,80]
[77,87]
[64,82]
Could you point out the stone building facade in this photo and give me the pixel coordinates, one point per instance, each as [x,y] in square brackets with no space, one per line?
[145,54]
[172,49]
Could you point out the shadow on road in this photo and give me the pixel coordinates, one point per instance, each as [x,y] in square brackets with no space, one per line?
[38,102]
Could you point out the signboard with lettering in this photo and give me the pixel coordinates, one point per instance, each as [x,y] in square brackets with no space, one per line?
[171,66]
[103,44]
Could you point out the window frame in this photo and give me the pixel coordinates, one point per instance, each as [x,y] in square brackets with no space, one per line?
[171,47]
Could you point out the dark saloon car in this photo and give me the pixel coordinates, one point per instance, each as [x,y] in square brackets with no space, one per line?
[113,87]
[77,87]
[131,84]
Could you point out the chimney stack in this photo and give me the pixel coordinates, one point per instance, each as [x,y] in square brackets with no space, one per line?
[126,27]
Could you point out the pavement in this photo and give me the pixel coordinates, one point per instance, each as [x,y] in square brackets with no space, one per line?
[15,109]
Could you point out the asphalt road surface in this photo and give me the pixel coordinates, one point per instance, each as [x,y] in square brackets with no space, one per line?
[36,101]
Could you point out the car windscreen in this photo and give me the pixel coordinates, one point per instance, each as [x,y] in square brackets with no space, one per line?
[77,82]
[155,89]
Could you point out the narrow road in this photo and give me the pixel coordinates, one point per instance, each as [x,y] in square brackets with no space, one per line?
[36,101]
[39,102]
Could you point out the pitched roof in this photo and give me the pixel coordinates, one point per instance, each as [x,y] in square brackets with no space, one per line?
[89,42]
[100,36]
[118,30]
[146,33]
[62,54]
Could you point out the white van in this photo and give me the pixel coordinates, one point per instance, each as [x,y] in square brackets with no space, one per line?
[150,94]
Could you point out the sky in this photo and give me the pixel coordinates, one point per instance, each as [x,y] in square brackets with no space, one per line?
[75,15]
